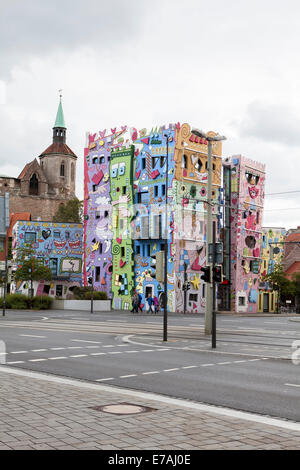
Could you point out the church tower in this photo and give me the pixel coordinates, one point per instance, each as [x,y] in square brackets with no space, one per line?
[58,161]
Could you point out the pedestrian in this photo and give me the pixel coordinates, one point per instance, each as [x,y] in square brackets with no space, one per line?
[156,304]
[139,303]
[150,302]
[135,300]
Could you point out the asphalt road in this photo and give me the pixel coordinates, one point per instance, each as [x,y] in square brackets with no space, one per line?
[250,370]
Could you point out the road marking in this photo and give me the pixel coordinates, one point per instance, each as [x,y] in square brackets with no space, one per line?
[109,346]
[166,349]
[56,349]
[79,355]
[75,347]
[102,380]
[206,365]
[220,363]
[58,357]
[18,352]
[95,354]
[170,370]
[131,352]
[115,352]
[34,336]
[15,362]
[189,367]
[153,372]
[125,376]
[89,347]
[292,385]
[236,362]
[39,350]
[84,341]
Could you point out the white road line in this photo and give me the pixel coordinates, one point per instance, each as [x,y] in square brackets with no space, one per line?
[58,357]
[18,352]
[39,350]
[236,362]
[15,362]
[189,367]
[153,372]
[90,347]
[165,349]
[292,385]
[221,363]
[206,365]
[34,336]
[170,370]
[102,380]
[75,347]
[109,346]
[115,352]
[95,354]
[147,350]
[84,341]
[56,349]
[125,376]
[131,352]
[79,355]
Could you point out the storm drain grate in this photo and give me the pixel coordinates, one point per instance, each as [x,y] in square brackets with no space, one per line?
[123,409]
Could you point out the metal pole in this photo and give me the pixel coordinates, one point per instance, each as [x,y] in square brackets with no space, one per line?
[185,291]
[213,334]
[92,296]
[165,333]
[5,276]
[209,293]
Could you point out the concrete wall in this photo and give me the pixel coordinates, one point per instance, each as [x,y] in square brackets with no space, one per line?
[84,305]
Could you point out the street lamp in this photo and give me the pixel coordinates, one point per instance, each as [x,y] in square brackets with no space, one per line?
[165,327]
[209,232]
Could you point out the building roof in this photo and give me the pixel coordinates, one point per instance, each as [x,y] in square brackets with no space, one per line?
[24,171]
[58,147]
[60,120]
[14,217]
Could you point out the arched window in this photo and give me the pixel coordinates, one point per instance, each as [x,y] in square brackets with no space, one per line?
[34,185]
[184,162]
[62,169]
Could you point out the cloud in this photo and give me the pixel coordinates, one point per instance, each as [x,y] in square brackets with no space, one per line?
[271,123]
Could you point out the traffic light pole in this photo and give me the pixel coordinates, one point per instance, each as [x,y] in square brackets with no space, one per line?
[214,326]
[209,289]
[185,290]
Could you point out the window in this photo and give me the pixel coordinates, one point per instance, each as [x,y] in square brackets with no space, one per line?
[162,161]
[143,163]
[97,214]
[72,172]
[105,214]
[100,248]
[53,265]
[59,289]
[242,301]
[102,160]
[154,161]
[62,169]
[46,289]
[94,161]
[122,251]
[138,249]
[56,234]
[67,235]
[121,224]
[184,161]
[124,190]
[1,244]
[163,189]
[198,165]
[193,297]
[30,237]
[97,274]
[34,185]
[155,191]
[257,217]
[143,198]
[148,250]
[94,187]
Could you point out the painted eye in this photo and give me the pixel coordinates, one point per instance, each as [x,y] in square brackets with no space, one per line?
[203,192]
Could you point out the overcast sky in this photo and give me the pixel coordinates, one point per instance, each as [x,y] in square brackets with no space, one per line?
[228,66]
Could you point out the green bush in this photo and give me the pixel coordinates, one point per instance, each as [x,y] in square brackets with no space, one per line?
[42,302]
[16,301]
[85,293]
[97,295]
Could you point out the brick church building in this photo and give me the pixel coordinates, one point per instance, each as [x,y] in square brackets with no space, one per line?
[43,186]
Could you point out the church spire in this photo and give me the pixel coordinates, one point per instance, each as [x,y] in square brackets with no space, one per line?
[59,129]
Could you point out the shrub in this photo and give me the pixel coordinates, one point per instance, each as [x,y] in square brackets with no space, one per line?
[42,302]
[17,301]
[97,295]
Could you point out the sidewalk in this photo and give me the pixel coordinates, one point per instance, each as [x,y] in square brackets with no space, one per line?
[39,411]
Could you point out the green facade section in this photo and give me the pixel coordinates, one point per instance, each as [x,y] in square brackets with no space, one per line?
[121,192]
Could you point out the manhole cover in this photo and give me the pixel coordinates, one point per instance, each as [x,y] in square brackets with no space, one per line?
[122,409]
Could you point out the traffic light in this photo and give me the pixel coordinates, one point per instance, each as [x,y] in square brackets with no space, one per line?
[90,280]
[206,276]
[153,266]
[217,274]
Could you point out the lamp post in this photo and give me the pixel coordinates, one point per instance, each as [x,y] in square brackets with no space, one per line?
[209,227]
[165,327]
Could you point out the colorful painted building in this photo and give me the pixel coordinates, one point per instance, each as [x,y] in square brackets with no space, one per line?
[244,181]
[126,174]
[271,254]
[56,245]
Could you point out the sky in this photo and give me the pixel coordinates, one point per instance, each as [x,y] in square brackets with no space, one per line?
[232,67]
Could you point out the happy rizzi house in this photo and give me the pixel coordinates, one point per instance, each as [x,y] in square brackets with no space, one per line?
[126,224]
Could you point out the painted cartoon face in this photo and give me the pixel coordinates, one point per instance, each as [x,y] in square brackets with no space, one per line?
[253,192]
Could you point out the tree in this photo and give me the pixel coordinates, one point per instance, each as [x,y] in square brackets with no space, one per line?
[31,268]
[72,211]
[296,285]
[279,282]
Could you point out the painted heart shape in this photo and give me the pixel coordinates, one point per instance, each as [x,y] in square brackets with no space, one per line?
[119,240]
[46,234]
[122,263]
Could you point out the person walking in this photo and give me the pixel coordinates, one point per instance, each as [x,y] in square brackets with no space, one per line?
[150,303]
[156,304]
[139,303]
[135,302]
